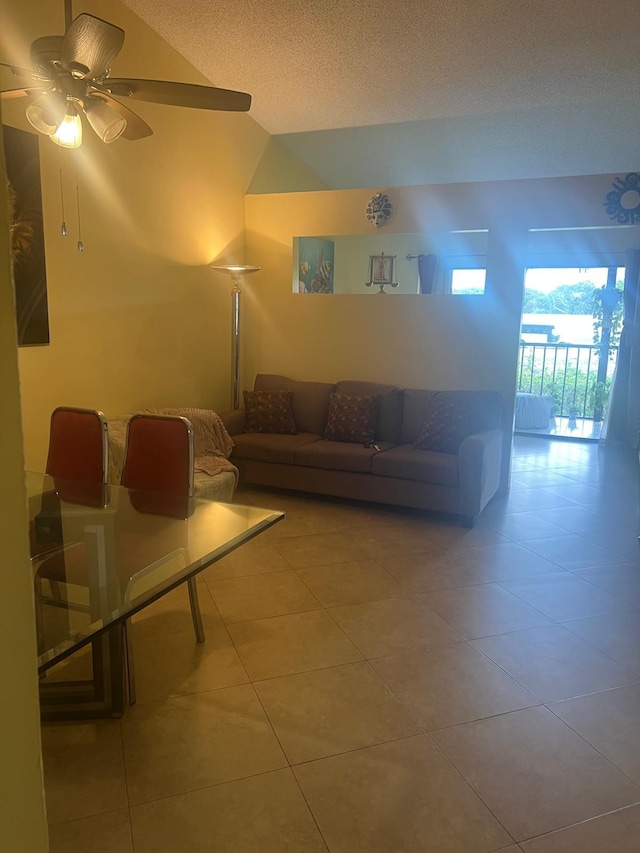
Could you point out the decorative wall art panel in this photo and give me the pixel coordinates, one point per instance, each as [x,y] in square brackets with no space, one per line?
[315,265]
[27,236]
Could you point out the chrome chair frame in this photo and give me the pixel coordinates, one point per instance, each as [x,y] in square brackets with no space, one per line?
[194,604]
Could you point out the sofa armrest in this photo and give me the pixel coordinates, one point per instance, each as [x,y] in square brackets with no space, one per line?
[479,463]
[233,421]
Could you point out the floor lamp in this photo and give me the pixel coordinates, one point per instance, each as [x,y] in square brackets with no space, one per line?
[236,271]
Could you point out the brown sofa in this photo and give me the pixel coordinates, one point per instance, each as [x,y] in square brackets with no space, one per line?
[396,473]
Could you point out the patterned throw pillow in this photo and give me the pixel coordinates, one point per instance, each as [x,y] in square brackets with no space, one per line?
[352,418]
[269,411]
[446,426]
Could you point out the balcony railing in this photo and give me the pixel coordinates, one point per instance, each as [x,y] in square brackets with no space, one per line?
[577,376]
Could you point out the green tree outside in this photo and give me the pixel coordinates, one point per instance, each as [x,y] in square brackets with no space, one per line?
[575,392]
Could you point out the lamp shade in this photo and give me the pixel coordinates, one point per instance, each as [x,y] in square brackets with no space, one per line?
[107,123]
[47,111]
[234,269]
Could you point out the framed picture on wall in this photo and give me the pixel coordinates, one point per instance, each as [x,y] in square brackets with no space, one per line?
[315,265]
[382,271]
[27,235]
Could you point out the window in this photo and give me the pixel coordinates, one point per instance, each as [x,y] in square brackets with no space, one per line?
[469,281]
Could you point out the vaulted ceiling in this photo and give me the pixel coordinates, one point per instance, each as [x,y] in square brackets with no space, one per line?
[372,92]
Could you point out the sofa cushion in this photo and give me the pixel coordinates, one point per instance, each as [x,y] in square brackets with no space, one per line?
[338,456]
[389,424]
[352,418]
[269,411]
[310,399]
[270,447]
[447,423]
[405,462]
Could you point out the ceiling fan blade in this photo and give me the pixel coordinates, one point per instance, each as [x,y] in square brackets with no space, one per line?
[180,94]
[136,128]
[9,94]
[15,71]
[90,45]
[16,82]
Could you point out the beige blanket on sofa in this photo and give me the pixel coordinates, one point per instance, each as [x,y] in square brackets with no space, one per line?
[212,444]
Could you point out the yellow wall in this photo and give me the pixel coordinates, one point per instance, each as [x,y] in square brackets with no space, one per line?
[22,815]
[139,319]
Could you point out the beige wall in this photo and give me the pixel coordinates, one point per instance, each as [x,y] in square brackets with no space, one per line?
[420,341]
[139,318]
[280,169]
[22,814]
[412,340]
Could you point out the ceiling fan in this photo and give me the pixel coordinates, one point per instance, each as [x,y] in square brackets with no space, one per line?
[70,77]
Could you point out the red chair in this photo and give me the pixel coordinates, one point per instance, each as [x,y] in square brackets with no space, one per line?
[158,455]
[78,461]
[78,457]
[158,467]
[78,447]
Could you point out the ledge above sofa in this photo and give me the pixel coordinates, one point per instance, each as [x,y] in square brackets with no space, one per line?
[391,469]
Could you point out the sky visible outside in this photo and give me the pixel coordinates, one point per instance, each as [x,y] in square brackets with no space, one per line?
[543,280]
[546,280]
[569,328]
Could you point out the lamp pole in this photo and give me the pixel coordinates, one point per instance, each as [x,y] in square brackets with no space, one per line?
[235,341]
[235,271]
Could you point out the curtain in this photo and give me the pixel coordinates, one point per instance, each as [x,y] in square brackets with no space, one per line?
[623,415]
[427,265]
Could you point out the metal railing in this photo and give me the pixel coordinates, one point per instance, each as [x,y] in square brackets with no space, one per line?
[577,376]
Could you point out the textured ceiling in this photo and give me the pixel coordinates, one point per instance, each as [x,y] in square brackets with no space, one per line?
[520,65]
[327,64]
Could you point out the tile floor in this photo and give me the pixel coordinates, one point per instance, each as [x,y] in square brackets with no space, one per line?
[574,428]
[386,681]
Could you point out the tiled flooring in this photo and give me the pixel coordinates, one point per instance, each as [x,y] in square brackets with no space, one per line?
[574,428]
[384,681]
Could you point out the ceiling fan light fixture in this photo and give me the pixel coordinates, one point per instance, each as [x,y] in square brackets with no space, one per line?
[107,123]
[78,71]
[46,112]
[69,134]
[73,73]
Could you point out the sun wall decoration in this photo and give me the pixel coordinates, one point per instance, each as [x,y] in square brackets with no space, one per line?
[623,201]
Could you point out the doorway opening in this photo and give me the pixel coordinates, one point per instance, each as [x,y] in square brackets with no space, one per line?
[569,336]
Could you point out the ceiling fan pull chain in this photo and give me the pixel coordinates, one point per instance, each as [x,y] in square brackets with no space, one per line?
[63,226]
[80,243]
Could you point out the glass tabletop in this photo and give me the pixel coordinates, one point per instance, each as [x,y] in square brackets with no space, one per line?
[100,554]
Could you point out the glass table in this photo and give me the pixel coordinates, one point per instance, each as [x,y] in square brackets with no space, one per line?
[99,555]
